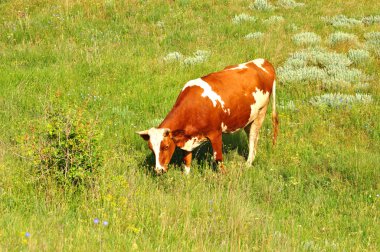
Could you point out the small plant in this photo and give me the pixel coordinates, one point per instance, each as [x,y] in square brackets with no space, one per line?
[358,55]
[372,40]
[254,35]
[274,20]
[243,18]
[342,37]
[306,38]
[319,65]
[304,74]
[287,106]
[369,20]
[373,43]
[262,5]
[173,56]
[64,146]
[198,57]
[337,100]
[342,21]
[288,4]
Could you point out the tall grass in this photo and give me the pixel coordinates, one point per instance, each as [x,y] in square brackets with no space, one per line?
[318,189]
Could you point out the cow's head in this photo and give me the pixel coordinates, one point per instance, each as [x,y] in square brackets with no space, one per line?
[160,141]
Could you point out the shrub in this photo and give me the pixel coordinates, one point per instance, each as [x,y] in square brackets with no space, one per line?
[64,146]
[306,38]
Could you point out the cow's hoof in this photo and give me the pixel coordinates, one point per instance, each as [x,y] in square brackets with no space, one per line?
[248,164]
[222,169]
[186,170]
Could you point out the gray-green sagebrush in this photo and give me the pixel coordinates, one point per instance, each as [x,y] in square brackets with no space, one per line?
[318,189]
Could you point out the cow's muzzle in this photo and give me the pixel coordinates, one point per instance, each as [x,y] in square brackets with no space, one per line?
[160,170]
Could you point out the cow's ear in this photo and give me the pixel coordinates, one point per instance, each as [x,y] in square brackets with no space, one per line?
[178,136]
[144,134]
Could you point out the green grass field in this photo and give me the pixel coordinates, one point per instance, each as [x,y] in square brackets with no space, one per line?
[318,189]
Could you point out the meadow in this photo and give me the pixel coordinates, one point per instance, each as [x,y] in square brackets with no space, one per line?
[122,64]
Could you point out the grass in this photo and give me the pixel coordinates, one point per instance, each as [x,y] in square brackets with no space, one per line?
[318,189]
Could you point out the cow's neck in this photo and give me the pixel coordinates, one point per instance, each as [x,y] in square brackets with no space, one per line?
[174,120]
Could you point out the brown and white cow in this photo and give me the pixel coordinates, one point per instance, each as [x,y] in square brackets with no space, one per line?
[221,102]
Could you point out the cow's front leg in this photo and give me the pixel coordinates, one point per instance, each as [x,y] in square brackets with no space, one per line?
[187,156]
[217,147]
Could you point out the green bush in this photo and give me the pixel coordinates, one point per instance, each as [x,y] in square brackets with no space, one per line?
[64,146]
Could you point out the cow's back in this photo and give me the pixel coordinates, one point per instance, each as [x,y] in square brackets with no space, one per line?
[229,98]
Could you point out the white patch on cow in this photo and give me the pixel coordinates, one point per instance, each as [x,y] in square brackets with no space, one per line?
[215,155]
[240,66]
[156,137]
[224,127]
[228,111]
[260,63]
[186,170]
[261,99]
[193,143]
[207,91]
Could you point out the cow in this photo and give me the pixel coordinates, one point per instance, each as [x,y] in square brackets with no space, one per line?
[226,101]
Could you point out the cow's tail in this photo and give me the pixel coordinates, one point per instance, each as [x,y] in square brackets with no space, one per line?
[274,113]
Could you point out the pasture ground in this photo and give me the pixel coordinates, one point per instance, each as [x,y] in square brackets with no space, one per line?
[317,190]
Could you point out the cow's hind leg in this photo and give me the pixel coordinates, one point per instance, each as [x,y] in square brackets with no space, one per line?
[253,135]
